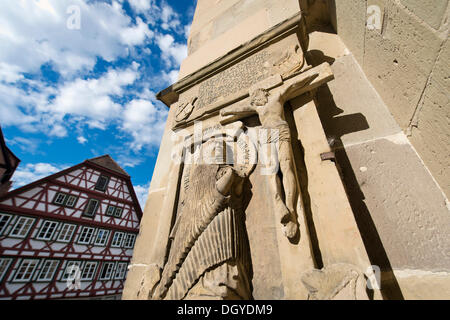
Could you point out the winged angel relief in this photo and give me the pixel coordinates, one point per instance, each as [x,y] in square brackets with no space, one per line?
[209,257]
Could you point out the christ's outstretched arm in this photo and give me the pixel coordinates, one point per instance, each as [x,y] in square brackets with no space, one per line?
[238,110]
[235,113]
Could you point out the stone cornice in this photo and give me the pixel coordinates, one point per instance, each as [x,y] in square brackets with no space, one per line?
[170,94]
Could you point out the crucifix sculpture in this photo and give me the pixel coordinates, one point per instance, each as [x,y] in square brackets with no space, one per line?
[270,110]
[209,255]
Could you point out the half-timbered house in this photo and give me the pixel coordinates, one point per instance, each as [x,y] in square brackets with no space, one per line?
[69,235]
[8,164]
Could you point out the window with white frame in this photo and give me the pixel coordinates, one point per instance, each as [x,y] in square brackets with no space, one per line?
[110,210]
[71,269]
[26,270]
[60,198]
[89,270]
[22,227]
[86,235]
[4,265]
[47,230]
[102,237]
[91,207]
[117,240]
[66,233]
[107,271]
[4,220]
[118,212]
[71,201]
[120,271]
[129,240]
[48,270]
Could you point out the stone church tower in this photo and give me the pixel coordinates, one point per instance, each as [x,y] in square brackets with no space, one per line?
[305,156]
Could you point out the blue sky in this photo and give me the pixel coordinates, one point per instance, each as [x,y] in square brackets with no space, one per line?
[78,79]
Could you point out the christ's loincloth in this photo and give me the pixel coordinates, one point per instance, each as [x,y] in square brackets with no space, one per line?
[276,134]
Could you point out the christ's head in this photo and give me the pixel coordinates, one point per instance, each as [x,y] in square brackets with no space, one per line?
[258,97]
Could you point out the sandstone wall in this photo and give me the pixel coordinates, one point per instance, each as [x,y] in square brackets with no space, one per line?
[221,26]
[387,116]
[406,58]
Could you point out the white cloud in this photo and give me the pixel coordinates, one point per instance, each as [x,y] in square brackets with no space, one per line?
[141,5]
[142,193]
[32,172]
[92,102]
[128,161]
[82,140]
[35,32]
[30,146]
[10,73]
[137,34]
[144,122]
[146,94]
[169,17]
[187,31]
[92,98]
[17,106]
[170,77]
[171,51]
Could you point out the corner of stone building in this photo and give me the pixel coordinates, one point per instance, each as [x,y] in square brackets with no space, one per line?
[391,135]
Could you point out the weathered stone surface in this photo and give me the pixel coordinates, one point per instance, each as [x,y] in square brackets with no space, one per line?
[267,272]
[336,230]
[338,107]
[240,76]
[142,251]
[431,11]
[162,167]
[216,18]
[214,48]
[350,23]
[227,24]
[336,282]
[422,285]
[397,193]
[356,115]
[399,60]
[141,281]
[430,129]
[325,46]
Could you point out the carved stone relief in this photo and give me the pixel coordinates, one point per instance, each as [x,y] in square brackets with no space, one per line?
[184,109]
[309,79]
[336,282]
[287,62]
[250,71]
[239,76]
[209,256]
[269,107]
[217,198]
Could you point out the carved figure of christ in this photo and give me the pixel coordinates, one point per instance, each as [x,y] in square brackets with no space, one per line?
[270,109]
